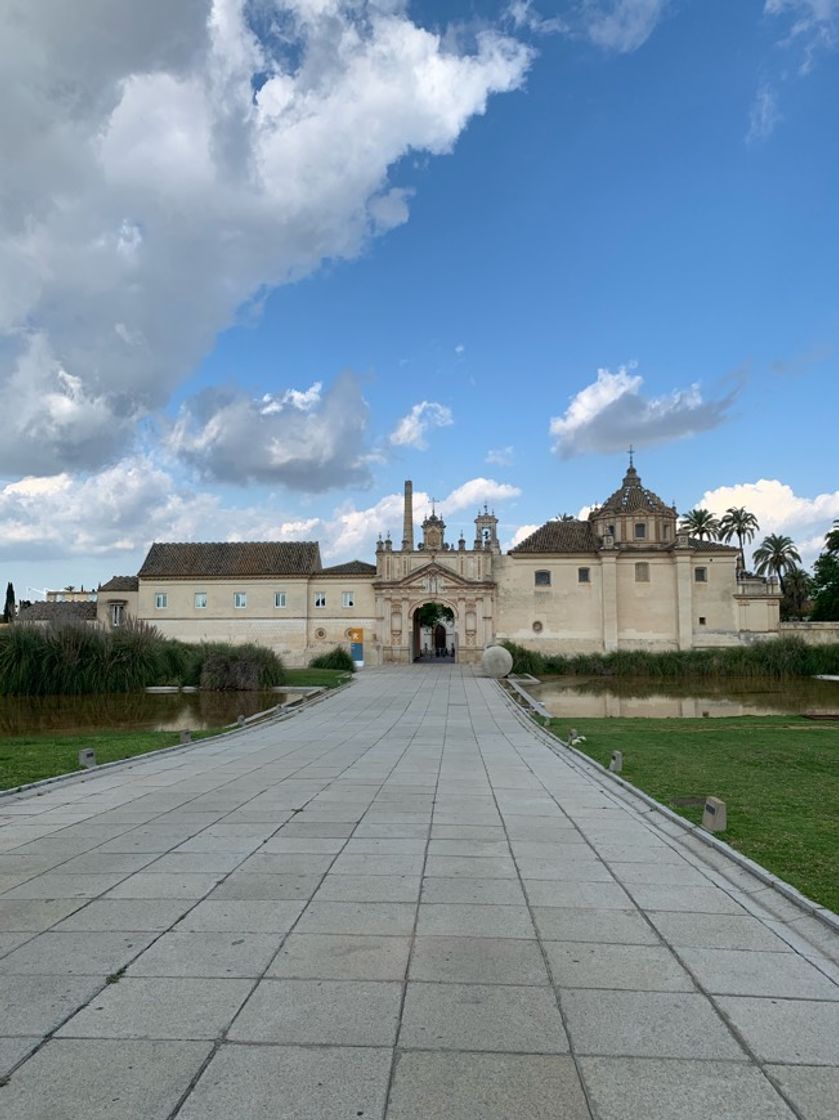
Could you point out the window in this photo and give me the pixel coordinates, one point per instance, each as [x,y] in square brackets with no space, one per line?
[640,531]
[240,599]
[161,600]
[200,600]
[702,620]
[583,575]
[347,598]
[610,529]
[665,532]
[700,575]
[117,614]
[320,599]
[542,579]
[279,599]
[642,573]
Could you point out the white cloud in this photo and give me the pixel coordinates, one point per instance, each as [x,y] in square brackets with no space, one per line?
[779,509]
[148,191]
[611,412]
[764,115]
[522,533]
[622,25]
[814,24]
[460,349]
[500,456]
[305,440]
[352,532]
[525,17]
[411,429]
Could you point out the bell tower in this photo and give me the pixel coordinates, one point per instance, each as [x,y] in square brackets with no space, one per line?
[486,531]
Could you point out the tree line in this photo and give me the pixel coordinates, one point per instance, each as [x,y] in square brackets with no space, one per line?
[814,595]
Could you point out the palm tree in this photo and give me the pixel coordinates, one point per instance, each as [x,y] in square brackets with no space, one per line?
[738,522]
[797,592]
[776,555]
[701,523]
[831,538]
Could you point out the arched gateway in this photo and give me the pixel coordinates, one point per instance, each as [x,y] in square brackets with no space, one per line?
[434,571]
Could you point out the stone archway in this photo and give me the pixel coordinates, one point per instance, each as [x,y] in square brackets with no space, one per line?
[433,631]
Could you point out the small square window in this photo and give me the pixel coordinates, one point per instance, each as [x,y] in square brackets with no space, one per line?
[279,599]
[542,579]
[702,620]
[640,531]
[240,599]
[700,575]
[320,599]
[200,600]
[347,598]
[642,573]
[161,600]
[583,575]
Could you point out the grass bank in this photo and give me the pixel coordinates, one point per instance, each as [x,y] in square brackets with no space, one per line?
[315,678]
[779,658]
[31,758]
[779,778]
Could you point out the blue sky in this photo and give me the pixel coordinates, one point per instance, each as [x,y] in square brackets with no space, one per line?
[290,254]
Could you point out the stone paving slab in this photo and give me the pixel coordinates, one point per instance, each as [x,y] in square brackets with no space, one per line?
[399,904]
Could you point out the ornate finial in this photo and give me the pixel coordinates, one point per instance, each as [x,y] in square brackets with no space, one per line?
[631,454]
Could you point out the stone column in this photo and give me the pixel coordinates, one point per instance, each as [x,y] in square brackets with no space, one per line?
[609,604]
[684,600]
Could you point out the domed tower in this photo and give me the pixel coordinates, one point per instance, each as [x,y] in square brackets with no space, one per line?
[486,531]
[634,516]
[433,533]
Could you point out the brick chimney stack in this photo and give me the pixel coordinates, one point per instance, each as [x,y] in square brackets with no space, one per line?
[408,526]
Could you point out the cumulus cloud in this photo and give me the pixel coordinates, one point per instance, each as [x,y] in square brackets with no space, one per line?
[500,456]
[164,164]
[118,511]
[612,412]
[411,429]
[521,534]
[352,532]
[779,509]
[306,440]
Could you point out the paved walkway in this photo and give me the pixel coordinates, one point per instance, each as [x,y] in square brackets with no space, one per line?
[225,933]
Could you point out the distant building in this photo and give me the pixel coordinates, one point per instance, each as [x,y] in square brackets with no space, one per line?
[71,595]
[52,611]
[624,578]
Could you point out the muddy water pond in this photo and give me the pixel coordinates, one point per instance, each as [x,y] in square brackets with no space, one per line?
[595,697]
[27,715]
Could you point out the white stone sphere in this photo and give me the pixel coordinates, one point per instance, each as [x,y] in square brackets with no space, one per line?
[497,661]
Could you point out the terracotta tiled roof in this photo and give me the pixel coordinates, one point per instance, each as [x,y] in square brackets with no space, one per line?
[55,612]
[560,536]
[121,583]
[233,559]
[710,546]
[353,568]
[632,496]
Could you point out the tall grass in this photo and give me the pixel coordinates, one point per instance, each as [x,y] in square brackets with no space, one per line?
[337,658]
[72,659]
[784,657]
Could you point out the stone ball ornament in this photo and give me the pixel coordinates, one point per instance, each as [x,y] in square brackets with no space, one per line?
[497,661]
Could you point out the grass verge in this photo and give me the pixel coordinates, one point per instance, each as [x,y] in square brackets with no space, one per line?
[31,758]
[779,778]
[322,678]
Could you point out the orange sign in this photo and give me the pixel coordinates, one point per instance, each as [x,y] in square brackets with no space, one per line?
[356,634]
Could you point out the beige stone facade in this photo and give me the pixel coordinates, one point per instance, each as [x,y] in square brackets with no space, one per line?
[624,578]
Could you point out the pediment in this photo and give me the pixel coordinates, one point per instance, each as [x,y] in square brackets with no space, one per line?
[422,579]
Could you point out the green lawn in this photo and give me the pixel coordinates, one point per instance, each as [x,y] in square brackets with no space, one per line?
[29,758]
[322,678]
[779,778]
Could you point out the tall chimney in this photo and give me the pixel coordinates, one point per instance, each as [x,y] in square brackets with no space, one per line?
[408,526]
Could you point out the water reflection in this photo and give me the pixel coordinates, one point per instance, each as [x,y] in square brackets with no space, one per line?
[24,715]
[596,698]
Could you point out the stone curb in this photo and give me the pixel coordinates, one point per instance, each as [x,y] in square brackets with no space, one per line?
[136,759]
[789,892]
